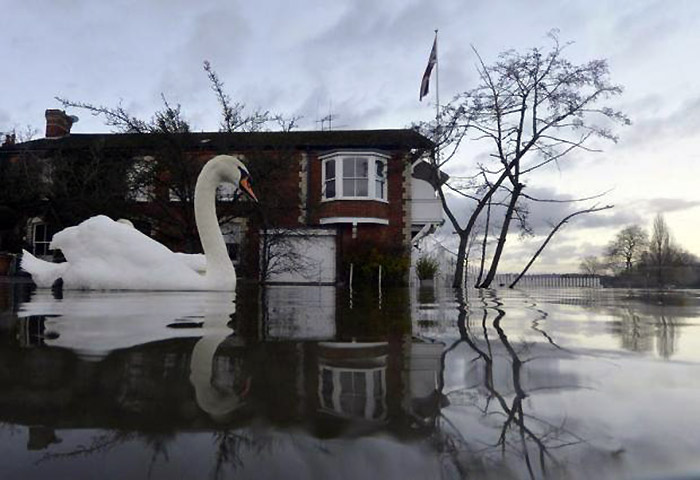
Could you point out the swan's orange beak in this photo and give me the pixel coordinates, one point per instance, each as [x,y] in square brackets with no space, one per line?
[245,186]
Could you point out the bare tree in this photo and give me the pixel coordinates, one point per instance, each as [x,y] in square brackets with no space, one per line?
[660,245]
[591,265]
[24,200]
[533,109]
[627,248]
[282,252]
[166,179]
[664,257]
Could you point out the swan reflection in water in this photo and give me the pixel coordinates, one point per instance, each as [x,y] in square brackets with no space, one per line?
[95,324]
[498,388]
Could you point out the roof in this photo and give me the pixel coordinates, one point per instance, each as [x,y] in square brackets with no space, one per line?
[403,139]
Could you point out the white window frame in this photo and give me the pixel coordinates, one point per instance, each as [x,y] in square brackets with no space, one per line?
[40,242]
[373,160]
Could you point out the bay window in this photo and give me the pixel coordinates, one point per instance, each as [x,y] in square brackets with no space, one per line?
[354,176]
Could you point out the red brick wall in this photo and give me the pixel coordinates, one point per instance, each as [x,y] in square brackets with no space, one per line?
[385,238]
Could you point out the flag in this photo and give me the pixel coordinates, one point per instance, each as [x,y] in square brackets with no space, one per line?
[425,83]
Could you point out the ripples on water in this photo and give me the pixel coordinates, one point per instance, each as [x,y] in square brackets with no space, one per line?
[309,382]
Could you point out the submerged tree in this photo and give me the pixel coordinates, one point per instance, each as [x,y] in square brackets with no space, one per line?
[533,109]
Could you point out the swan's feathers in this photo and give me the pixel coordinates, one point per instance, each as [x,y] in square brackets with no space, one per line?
[103,253]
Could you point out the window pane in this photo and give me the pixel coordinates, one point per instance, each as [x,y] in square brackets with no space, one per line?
[377,377]
[330,169]
[346,382]
[349,167]
[330,189]
[380,168]
[361,188]
[362,167]
[349,188]
[327,387]
[40,232]
[359,381]
[379,189]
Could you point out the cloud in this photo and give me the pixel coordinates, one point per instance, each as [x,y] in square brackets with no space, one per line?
[667,205]
[5,125]
[659,127]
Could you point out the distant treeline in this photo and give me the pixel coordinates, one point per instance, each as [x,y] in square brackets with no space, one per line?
[635,259]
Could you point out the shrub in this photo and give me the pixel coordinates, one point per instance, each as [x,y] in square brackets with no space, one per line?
[395,263]
[426,267]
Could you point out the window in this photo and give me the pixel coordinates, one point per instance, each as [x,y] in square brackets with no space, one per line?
[380,180]
[232,230]
[354,176]
[41,235]
[329,179]
[359,393]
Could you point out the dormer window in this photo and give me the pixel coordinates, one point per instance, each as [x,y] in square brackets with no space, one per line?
[354,176]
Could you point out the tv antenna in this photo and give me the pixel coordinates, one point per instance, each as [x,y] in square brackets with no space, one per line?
[326,122]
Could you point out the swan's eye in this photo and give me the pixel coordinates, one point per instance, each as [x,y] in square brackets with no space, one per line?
[244,174]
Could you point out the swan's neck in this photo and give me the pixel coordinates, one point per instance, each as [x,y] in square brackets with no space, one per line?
[219,266]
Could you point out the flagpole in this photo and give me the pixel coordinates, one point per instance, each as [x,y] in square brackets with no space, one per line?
[437,81]
[437,102]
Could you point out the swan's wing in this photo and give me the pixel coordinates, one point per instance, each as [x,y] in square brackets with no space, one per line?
[100,240]
[196,262]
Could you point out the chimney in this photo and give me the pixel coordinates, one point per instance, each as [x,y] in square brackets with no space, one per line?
[58,123]
[10,139]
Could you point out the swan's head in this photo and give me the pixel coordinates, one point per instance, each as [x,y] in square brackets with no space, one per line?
[244,184]
[237,173]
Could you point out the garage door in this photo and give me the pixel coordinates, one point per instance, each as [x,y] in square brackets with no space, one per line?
[299,256]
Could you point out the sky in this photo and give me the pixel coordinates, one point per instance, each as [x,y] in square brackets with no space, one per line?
[362,62]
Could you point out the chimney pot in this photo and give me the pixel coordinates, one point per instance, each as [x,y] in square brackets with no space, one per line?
[58,124]
[10,139]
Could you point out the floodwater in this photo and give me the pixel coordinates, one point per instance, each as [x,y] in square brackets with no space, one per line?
[312,382]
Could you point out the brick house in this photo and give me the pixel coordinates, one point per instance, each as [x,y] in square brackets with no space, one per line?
[335,197]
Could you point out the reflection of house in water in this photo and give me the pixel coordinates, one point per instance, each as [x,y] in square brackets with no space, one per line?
[306,312]
[203,374]
[352,379]
[422,377]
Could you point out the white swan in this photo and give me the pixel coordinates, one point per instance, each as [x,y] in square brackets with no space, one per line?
[102,254]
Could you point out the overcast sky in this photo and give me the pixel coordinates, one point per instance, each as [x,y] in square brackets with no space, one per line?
[362,61]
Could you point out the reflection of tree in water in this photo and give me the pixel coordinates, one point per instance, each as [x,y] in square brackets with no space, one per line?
[501,401]
[104,442]
[231,445]
[640,332]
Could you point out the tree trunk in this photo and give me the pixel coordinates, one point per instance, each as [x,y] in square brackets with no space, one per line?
[483,244]
[549,237]
[458,281]
[502,238]
[464,234]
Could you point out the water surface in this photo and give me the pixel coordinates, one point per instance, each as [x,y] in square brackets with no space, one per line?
[314,382]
